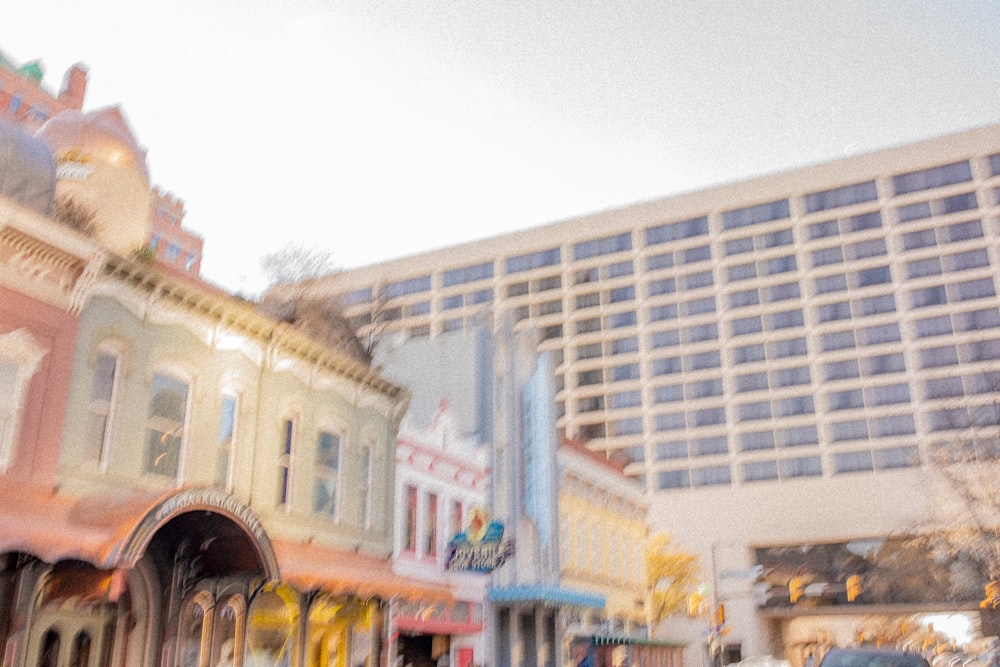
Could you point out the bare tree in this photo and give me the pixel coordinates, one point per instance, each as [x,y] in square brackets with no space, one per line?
[377,316]
[294,298]
[964,485]
[295,264]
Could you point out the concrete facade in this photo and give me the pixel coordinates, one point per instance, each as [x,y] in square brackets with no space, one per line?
[773,359]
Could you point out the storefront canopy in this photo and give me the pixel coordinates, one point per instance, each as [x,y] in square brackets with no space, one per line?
[111,529]
[313,567]
[548,594]
[55,528]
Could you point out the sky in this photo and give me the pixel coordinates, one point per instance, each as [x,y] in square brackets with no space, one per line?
[375,129]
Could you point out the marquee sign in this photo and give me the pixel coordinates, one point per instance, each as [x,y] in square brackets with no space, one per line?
[481,547]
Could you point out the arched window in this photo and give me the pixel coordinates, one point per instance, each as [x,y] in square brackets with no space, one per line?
[229,404]
[271,627]
[48,653]
[326,471]
[194,636]
[229,632]
[107,370]
[366,478]
[286,460]
[80,657]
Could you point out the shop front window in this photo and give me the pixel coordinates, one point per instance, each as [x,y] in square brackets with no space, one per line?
[271,628]
[340,632]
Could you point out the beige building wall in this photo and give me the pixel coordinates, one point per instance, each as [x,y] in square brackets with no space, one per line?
[772,359]
[219,363]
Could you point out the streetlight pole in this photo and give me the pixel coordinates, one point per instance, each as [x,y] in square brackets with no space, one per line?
[714,628]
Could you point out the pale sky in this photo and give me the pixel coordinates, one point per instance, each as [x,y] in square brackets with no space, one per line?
[376,129]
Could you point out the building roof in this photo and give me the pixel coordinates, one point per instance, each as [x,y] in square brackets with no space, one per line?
[27,170]
[597,456]
[184,291]
[103,135]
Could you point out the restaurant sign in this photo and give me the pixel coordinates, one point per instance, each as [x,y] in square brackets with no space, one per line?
[481,547]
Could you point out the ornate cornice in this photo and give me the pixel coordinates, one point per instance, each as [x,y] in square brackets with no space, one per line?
[44,258]
[162,297]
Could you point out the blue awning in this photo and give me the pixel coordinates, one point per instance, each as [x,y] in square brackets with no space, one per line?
[546,594]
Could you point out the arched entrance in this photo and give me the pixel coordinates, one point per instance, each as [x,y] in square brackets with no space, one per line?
[174,590]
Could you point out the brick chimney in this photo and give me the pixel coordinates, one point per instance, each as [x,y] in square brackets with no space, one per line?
[74,87]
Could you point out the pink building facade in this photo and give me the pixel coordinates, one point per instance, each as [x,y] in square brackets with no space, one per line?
[23,99]
[25,102]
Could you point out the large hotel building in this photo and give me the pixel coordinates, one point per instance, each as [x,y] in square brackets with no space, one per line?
[772,358]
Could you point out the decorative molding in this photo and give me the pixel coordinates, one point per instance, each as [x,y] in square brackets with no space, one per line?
[44,269]
[20,349]
[85,284]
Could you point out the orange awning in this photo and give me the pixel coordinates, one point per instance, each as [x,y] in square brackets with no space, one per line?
[111,529]
[108,530]
[55,528]
[312,567]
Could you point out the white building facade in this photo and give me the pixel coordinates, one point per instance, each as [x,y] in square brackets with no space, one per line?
[442,479]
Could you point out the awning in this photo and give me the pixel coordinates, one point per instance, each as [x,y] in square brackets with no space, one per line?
[624,640]
[111,529]
[549,594]
[55,528]
[313,567]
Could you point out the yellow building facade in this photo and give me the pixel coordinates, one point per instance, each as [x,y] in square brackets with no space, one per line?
[602,543]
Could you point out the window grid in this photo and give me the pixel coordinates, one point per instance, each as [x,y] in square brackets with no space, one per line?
[765,254]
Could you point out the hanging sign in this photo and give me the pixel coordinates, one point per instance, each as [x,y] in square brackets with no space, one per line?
[481,547]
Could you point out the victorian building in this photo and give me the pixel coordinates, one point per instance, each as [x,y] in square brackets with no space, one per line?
[185,478]
[498,396]
[26,102]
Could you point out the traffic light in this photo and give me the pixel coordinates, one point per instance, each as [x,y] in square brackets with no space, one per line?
[992,598]
[720,615]
[796,588]
[853,587]
[694,604]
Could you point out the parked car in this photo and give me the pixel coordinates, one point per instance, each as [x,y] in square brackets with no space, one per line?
[870,657]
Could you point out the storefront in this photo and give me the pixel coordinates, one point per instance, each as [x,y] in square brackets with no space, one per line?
[621,651]
[186,577]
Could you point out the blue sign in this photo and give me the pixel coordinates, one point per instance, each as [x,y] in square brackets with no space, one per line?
[481,547]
